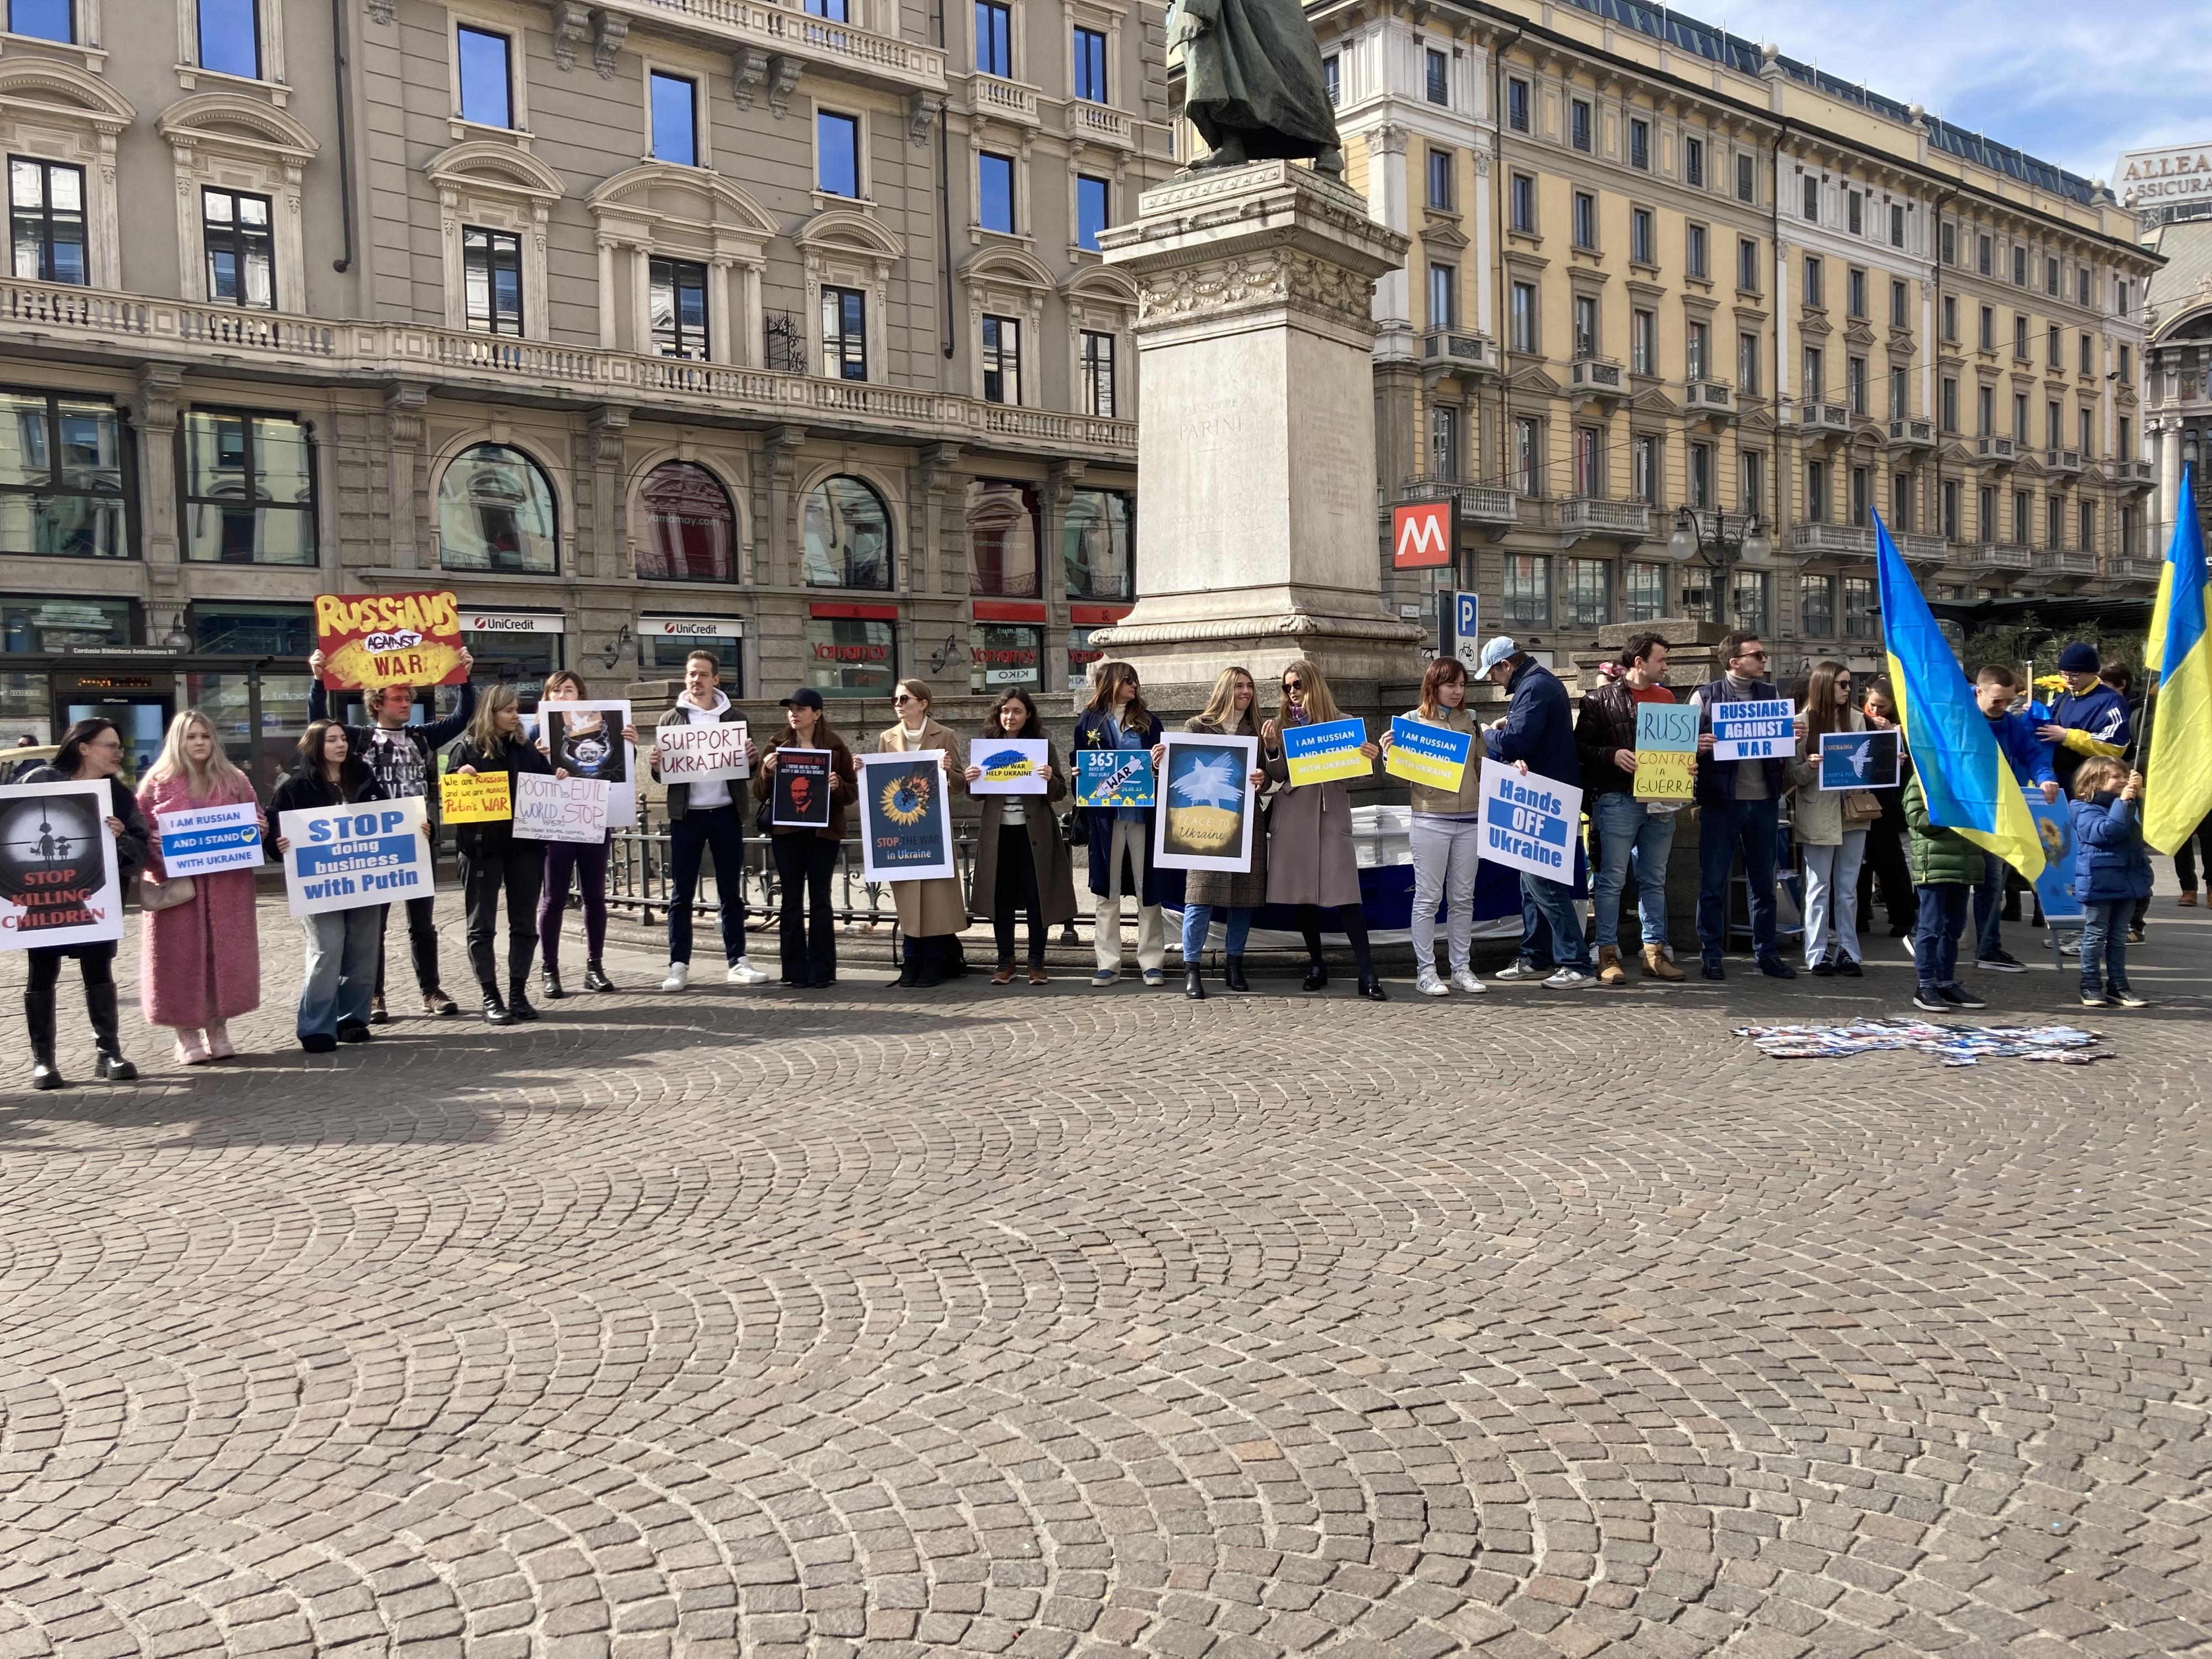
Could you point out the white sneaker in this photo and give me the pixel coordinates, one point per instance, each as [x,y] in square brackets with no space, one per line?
[679,975]
[1519,970]
[1465,980]
[1429,984]
[742,972]
[1569,979]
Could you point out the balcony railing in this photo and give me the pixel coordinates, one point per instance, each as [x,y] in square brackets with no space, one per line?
[1008,100]
[1831,541]
[1098,123]
[1709,397]
[1921,549]
[1588,515]
[1817,416]
[1595,375]
[137,326]
[1477,503]
[819,40]
[1458,347]
[1910,433]
[2063,561]
[2128,472]
[2062,460]
[1998,452]
[2131,567]
[1993,556]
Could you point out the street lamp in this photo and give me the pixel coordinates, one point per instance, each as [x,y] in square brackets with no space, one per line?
[1720,542]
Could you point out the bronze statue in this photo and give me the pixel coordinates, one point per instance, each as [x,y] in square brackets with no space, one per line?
[1252,82]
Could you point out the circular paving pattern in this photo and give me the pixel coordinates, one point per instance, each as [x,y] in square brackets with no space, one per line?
[1059,1323]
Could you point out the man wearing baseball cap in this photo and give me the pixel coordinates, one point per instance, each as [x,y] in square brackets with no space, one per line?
[1538,736]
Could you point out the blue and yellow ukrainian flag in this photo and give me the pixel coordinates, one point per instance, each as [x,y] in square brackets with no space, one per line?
[2177,775]
[1970,785]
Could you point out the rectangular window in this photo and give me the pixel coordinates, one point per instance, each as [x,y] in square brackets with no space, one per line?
[1899,395]
[995,38]
[2127,365]
[1812,198]
[2123,293]
[1748,600]
[1585,219]
[1854,213]
[230,38]
[1854,292]
[1523,194]
[1097,547]
[1444,441]
[1639,143]
[1950,404]
[1816,281]
[1697,350]
[1747,364]
[675,119]
[1816,607]
[1578,124]
[45,220]
[1861,495]
[844,333]
[1897,224]
[2089,354]
[1855,385]
[1900,501]
[2020,338]
[1586,340]
[1694,161]
[1090,65]
[1697,596]
[2082,427]
[1985,411]
[43,19]
[1528,589]
[1693,250]
[1746,265]
[1001,656]
[1440,179]
[1900,301]
[2054,353]
[1946,244]
[1985,513]
[1986,338]
[1860,607]
[851,657]
[2081,285]
[1002,359]
[1091,211]
[1590,469]
[1589,593]
[994,192]
[491,280]
[1643,471]
[1950,506]
[1747,180]
[1439,77]
[1701,475]
[249,490]
[2050,277]
[2020,267]
[2126,452]
[1097,370]
[1524,317]
[1443,296]
[1640,238]
[837,153]
[2023,519]
[487,93]
[2020,417]
[835,11]
[62,482]
[234,230]
[1528,457]
[1984,255]
[1517,105]
[677,305]
[1642,326]
[2050,439]
[1750,478]
[1643,597]
[1951,317]
[1816,380]
[1332,86]
[1816,491]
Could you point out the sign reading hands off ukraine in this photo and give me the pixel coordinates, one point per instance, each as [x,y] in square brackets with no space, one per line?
[1528,821]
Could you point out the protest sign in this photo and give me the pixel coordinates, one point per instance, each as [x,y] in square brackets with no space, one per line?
[906,831]
[1011,766]
[1113,777]
[369,639]
[1666,751]
[59,882]
[1206,822]
[1319,754]
[2054,828]
[1434,756]
[803,783]
[1859,760]
[200,841]
[585,740]
[474,797]
[1765,729]
[548,808]
[1528,821]
[699,754]
[340,858]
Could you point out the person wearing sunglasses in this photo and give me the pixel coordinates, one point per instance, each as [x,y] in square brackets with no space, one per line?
[1121,837]
[932,913]
[1310,860]
[1736,806]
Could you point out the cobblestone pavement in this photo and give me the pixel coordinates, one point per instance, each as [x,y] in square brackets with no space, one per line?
[1060,1322]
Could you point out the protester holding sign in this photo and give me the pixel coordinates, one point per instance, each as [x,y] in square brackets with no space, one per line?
[199,960]
[1022,862]
[91,751]
[1737,802]
[1310,860]
[1830,828]
[590,746]
[806,854]
[1447,834]
[703,815]
[1537,737]
[1630,829]
[342,945]
[1229,713]
[1121,837]
[931,912]
[494,860]
[1884,859]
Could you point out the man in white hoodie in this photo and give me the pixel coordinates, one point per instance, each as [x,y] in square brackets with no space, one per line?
[704,814]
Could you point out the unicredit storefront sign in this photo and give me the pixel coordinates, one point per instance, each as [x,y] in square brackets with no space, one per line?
[692,627]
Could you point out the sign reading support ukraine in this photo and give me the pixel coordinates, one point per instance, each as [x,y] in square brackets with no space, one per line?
[1322,753]
[1528,821]
[340,858]
[1434,756]
[1765,729]
[200,841]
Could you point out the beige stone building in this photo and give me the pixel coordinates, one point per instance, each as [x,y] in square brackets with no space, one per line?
[2179,393]
[638,323]
[1656,269]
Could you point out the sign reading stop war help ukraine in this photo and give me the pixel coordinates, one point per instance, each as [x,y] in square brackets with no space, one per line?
[1764,730]
[340,858]
[1528,821]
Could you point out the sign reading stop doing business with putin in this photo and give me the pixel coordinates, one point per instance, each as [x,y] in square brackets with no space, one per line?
[1528,821]
[340,858]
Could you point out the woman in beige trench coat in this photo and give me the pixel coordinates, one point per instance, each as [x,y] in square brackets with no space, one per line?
[930,912]
[1310,859]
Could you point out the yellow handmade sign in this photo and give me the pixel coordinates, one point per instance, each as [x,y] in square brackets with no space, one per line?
[475,798]
[1666,751]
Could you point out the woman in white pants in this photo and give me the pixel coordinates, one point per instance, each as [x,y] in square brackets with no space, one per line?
[1831,843]
[1447,838]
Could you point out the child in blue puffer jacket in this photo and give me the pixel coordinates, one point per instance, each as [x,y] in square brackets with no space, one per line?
[2111,871]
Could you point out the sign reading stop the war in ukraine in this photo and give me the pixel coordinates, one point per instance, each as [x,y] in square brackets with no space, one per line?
[369,639]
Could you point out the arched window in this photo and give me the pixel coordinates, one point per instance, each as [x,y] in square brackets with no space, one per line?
[848,536]
[687,531]
[1095,537]
[1002,540]
[496,511]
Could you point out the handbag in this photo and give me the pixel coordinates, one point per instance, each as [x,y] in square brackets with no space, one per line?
[1861,806]
[154,893]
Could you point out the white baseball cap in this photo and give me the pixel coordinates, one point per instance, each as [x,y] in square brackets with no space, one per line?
[1494,651]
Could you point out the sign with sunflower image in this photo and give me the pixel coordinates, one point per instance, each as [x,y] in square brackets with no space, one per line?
[906,825]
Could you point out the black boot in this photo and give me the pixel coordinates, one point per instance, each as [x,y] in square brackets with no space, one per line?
[1233,974]
[1193,983]
[517,1001]
[1316,975]
[39,1016]
[595,977]
[494,1011]
[101,1002]
[909,963]
[552,978]
[1371,988]
[933,956]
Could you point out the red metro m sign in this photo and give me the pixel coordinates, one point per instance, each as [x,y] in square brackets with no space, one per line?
[1422,534]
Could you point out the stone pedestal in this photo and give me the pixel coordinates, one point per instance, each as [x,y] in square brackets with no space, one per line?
[1256,508]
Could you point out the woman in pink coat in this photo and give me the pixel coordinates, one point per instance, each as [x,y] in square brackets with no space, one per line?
[199,962]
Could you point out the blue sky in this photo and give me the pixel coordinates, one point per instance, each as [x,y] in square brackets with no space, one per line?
[2072,83]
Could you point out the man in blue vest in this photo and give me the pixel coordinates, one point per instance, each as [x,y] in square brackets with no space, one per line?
[1737,806]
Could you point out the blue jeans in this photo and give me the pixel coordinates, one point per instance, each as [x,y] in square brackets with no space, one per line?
[1943,907]
[1626,825]
[1198,918]
[1553,902]
[1989,907]
[2105,938]
[344,948]
[1722,824]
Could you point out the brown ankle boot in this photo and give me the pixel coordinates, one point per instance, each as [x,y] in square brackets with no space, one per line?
[1609,970]
[1657,964]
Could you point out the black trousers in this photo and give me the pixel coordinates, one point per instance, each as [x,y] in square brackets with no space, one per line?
[1355,923]
[804,864]
[1015,890]
[422,942]
[518,869]
[1884,859]
[2185,856]
[722,830]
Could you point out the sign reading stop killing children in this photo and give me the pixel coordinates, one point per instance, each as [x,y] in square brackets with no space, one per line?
[59,882]
[547,808]
[905,830]
[1434,756]
[1206,823]
[388,639]
[200,841]
[1666,751]
[340,858]
[1113,777]
[1322,753]
[801,794]
[1765,729]
[1528,821]
[474,797]
[700,754]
